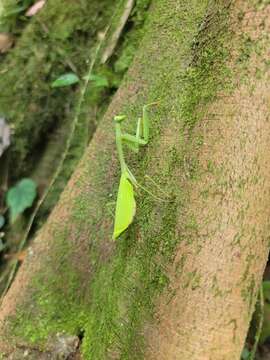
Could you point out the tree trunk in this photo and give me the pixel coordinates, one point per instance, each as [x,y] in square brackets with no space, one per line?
[182,281]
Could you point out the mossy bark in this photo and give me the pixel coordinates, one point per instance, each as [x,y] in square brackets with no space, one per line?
[206,63]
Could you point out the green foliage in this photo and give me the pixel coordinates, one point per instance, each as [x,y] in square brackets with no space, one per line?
[266,323]
[66,80]
[2,221]
[99,81]
[125,207]
[65,48]
[21,197]
[9,12]
[266,290]
[245,354]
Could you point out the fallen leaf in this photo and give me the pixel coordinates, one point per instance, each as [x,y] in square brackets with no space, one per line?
[6,42]
[34,9]
[20,256]
[4,136]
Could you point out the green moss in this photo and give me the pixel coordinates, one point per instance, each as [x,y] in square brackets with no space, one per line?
[193,280]
[233,323]
[137,273]
[11,19]
[206,76]
[55,308]
[249,293]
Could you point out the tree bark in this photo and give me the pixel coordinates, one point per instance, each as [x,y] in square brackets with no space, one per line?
[219,265]
[195,261]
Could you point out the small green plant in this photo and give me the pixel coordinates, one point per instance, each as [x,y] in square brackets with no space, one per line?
[65,80]
[2,221]
[20,197]
[99,81]
[126,204]
[245,354]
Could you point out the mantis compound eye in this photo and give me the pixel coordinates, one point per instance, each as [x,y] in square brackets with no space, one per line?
[119,118]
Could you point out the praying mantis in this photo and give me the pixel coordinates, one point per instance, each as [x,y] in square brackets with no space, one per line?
[126,204]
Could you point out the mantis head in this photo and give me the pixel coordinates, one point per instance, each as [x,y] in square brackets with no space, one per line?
[119,118]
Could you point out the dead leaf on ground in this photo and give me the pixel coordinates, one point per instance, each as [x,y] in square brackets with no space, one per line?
[6,42]
[19,256]
[34,9]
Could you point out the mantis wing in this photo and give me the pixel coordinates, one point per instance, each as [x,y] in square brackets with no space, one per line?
[125,206]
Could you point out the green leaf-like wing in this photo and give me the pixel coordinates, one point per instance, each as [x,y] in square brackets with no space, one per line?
[21,197]
[125,206]
[65,80]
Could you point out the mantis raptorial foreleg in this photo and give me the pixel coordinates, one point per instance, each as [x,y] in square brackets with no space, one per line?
[126,205]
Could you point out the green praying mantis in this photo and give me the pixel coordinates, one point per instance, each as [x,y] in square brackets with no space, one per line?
[126,204]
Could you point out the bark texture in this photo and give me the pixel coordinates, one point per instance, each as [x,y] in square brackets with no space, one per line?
[219,266]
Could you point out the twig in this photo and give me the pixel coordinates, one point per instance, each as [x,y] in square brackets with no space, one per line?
[109,50]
